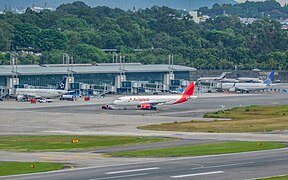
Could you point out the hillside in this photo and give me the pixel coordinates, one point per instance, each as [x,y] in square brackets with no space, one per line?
[269,8]
[219,43]
[139,4]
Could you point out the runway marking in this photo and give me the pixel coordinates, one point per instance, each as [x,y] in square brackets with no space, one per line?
[132,170]
[224,165]
[198,174]
[115,177]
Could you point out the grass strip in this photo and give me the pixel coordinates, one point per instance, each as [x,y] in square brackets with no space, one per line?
[244,119]
[59,143]
[285,177]
[202,149]
[13,168]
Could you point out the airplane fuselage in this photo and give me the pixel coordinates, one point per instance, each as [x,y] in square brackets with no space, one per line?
[40,93]
[244,86]
[139,100]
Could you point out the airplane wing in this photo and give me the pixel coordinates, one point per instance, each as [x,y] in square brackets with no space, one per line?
[242,89]
[161,103]
[153,104]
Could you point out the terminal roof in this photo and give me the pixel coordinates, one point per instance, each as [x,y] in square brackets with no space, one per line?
[89,68]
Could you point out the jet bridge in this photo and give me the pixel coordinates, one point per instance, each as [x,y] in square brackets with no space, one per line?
[3,92]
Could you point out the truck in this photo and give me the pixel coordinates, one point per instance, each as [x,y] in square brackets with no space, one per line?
[67,97]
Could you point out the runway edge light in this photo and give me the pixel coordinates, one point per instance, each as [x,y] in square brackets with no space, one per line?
[75,141]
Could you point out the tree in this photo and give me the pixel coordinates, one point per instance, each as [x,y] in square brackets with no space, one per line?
[26,36]
[71,23]
[5,36]
[51,57]
[51,39]
[89,54]
[220,42]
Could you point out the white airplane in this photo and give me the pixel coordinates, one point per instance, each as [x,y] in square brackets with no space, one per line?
[149,102]
[241,80]
[21,93]
[222,76]
[248,79]
[249,87]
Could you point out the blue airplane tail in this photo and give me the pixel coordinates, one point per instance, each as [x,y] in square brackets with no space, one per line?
[62,85]
[270,78]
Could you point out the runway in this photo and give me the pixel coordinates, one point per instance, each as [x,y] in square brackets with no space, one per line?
[238,166]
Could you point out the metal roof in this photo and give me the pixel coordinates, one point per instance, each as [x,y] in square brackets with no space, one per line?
[91,69]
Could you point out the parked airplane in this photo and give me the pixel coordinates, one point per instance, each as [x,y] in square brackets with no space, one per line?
[248,87]
[149,102]
[206,84]
[248,79]
[21,93]
[241,80]
[222,76]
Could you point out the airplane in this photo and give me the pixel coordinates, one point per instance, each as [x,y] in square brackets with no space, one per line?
[207,83]
[24,93]
[241,80]
[248,87]
[249,80]
[149,102]
[222,76]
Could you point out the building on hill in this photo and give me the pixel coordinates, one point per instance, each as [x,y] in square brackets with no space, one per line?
[197,18]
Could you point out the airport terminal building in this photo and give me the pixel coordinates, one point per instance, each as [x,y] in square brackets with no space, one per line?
[116,75]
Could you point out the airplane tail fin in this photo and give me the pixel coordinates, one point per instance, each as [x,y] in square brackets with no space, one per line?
[223,75]
[270,78]
[189,91]
[62,85]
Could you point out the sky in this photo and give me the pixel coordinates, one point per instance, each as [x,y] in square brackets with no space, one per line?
[282,2]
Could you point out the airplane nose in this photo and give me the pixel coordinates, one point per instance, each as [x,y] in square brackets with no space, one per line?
[116,102]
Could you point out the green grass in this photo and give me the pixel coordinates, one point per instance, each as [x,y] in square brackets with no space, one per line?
[276,178]
[13,168]
[203,149]
[58,143]
[244,119]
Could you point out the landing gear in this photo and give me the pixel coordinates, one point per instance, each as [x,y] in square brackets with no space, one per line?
[153,108]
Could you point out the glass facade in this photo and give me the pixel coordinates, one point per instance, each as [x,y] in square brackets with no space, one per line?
[126,84]
[100,78]
[146,76]
[46,80]
[41,80]
[108,78]
[155,76]
[3,80]
[175,83]
[182,75]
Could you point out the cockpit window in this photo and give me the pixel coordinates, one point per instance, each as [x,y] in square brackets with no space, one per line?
[119,99]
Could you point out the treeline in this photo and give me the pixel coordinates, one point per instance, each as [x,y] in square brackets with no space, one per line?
[249,9]
[82,31]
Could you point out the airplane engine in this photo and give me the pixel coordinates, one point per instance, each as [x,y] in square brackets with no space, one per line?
[145,106]
[233,89]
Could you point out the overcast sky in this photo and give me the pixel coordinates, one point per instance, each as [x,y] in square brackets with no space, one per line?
[282,2]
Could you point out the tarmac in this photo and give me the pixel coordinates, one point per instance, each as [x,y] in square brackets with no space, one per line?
[87,118]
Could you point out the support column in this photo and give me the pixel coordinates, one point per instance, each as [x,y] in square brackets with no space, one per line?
[119,78]
[11,82]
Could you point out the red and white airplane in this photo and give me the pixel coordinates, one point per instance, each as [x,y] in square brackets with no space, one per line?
[149,102]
